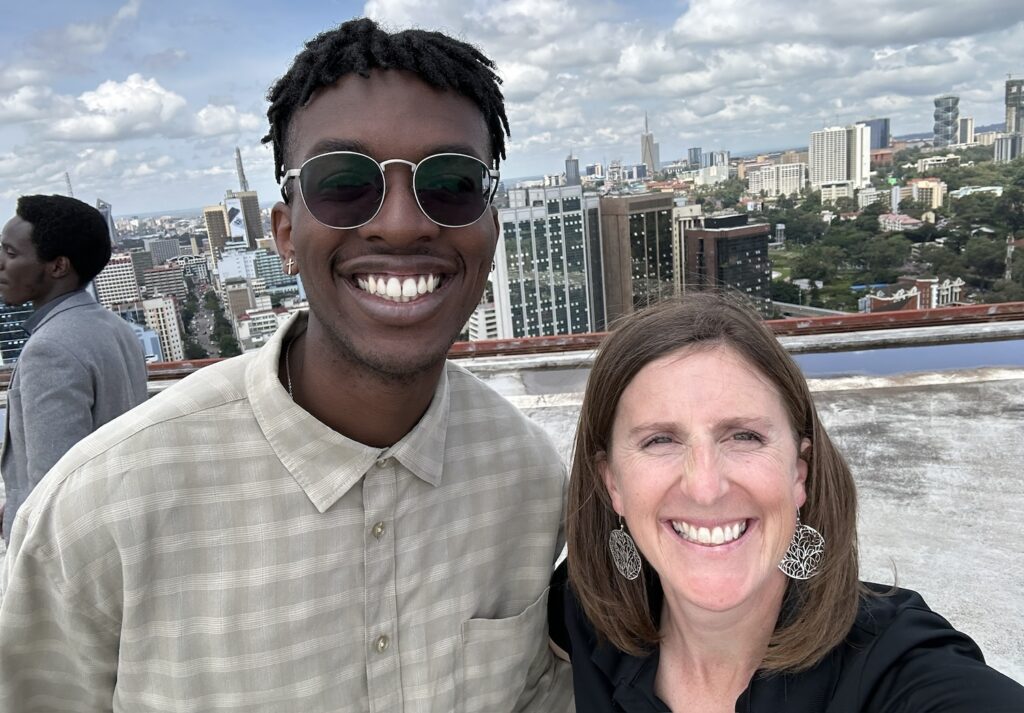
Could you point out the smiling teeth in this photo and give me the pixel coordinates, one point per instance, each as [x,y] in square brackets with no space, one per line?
[717,535]
[397,289]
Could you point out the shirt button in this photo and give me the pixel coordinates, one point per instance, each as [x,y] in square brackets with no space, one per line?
[382,644]
[384,462]
[378,530]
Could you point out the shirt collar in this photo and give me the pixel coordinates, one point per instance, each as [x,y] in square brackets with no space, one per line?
[37,317]
[325,463]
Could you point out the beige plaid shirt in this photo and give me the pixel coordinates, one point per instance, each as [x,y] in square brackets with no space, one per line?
[219,549]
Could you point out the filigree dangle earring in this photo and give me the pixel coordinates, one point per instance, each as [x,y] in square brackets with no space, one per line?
[806,550]
[624,552]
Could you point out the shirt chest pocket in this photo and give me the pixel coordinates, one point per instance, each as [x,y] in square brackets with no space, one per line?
[500,658]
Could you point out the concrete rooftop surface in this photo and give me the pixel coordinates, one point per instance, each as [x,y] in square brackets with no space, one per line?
[938,457]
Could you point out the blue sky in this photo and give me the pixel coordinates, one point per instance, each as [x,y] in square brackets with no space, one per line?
[142,103]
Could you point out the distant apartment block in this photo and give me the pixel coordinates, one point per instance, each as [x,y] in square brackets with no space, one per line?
[483,323]
[162,317]
[930,192]
[729,252]
[840,154]
[116,283]
[638,251]
[548,269]
[781,179]
[693,157]
[830,192]
[947,120]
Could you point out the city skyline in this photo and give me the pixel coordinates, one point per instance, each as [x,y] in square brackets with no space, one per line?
[143,104]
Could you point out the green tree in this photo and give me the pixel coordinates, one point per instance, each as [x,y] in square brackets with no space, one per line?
[943,261]
[884,257]
[785,292]
[228,346]
[985,259]
[818,262]
[867,221]
[193,350]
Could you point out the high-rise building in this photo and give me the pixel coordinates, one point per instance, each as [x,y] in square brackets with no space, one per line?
[252,219]
[947,120]
[730,253]
[142,260]
[166,280]
[1015,106]
[649,150]
[12,334]
[966,132]
[163,318]
[638,251]
[858,147]
[840,154]
[162,249]
[572,171]
[1008,147]
[693,157]
[107,211]
[216,229]
[880,135]
[116,283]
[548,271]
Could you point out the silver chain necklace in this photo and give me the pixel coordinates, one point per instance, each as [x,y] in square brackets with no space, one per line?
[288,368]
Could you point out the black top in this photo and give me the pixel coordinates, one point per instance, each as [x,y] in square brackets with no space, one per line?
[899,657]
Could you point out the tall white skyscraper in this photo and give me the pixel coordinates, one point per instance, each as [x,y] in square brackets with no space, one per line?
[839,154]
[858,145]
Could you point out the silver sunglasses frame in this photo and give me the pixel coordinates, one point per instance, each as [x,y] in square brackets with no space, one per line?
[381,165]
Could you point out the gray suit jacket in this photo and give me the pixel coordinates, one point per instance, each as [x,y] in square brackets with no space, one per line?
[81,367]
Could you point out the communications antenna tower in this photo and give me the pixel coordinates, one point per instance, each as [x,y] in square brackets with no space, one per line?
[67,182]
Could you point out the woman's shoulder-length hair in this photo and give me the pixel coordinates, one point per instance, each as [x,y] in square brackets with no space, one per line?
[819,611]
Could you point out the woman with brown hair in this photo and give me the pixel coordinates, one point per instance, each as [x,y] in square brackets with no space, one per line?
[711,527]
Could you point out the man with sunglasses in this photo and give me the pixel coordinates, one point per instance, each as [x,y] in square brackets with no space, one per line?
[343,520]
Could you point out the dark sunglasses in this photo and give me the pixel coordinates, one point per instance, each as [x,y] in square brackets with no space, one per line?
[344,189]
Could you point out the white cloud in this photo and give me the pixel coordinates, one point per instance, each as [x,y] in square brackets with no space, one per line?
[28,103]
[119,110]
[219,120]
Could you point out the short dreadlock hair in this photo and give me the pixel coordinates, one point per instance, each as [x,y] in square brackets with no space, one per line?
[67,226]
[358,46]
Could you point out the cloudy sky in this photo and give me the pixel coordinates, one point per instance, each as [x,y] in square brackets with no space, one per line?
[143,102]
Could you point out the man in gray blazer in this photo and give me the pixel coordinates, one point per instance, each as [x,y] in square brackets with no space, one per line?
[82,364]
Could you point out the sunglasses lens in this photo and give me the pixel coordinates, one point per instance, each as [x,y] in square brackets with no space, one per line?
[342,190]
[453,190]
